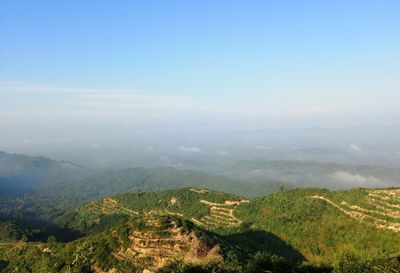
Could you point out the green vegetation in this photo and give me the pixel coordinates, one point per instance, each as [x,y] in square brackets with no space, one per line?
[107,249]
[36,190]
[308,233]
[185,202]
[120,248]
[111,182]
[9,230]
[317,229]
[21,173]
[46,226]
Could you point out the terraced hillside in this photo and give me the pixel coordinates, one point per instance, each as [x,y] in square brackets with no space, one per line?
[221,215]
[322,224]
[209,209]
[379,208]
[317,223]
[144,244]
[161,240]
[144,232]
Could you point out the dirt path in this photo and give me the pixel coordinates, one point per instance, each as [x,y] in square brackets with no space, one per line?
[222,214]
[359,214]
[111,204]
[199,190]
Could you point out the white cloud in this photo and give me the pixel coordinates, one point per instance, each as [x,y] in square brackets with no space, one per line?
[312,110]
[97,98]
[256,172]
[21,87]
[189,150]
[166,161]
[126,100]
[355,179]
[222,153]
[261,147]
[321,110]
[35,104]
[355,148]
[74,109]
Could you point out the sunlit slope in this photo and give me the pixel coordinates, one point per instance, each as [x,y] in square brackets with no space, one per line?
[142,244]
[379,208]
[318,223]
[209,209]
[322,224]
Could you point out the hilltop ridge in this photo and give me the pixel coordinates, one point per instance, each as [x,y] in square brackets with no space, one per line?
[303,230]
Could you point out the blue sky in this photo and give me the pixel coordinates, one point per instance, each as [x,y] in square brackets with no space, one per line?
[206,65]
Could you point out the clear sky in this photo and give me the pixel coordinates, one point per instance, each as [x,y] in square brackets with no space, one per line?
[205,65]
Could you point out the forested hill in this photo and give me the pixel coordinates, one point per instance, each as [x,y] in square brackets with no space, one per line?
[322,224]
[65,180]
[34,166]
[33,190]
[21,173]
[302,230]
[59,217]
[109,182]
[319,224]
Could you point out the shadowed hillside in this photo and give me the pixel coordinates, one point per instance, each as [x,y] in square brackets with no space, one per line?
[307,230]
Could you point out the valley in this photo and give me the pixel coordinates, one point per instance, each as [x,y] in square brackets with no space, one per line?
[199,136]
[170,221]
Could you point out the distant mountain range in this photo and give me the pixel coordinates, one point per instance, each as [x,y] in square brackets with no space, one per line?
[22,173]
[27,183]
[312,173]
[57,216]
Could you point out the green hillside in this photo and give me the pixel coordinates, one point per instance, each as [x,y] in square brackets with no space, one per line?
[110,182]
[35,190]
[22,173]
[302,230]
[323,225]
[317,224]
[210,209]
[130,246]
[10,231]
[144,244]
[39,187]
